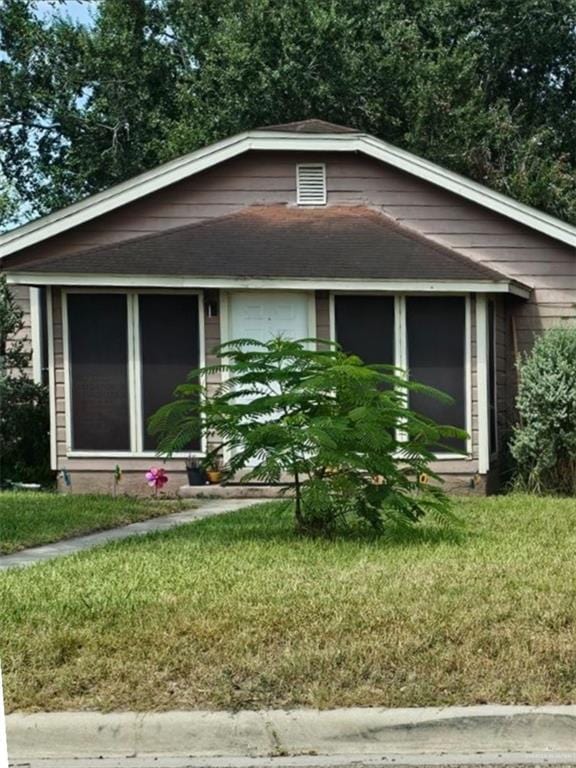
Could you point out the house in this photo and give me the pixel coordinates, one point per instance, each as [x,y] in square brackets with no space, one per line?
[305,229]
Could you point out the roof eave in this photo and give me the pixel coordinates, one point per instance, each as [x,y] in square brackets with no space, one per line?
[310,283]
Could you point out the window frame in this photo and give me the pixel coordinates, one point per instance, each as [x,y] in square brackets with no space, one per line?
[135,414]
[401,353]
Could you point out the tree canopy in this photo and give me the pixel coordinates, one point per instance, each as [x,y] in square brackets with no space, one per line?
[484,87]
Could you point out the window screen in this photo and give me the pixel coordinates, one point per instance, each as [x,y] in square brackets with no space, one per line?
[169,343]
[436,356]
[365,327]
[98,346]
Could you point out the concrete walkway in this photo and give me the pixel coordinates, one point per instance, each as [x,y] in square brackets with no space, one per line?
[489,734]
[80,543]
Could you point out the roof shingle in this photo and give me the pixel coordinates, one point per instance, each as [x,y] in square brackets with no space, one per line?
[283,242]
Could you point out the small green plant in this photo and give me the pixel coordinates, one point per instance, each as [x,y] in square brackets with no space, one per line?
[544,440]
[336,430]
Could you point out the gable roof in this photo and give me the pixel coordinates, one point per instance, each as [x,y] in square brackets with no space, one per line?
[283,138]
[354,243]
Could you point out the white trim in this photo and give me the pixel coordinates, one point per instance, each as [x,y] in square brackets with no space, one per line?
[134,372]
[67,369]
[191,164]
[36,334]
[400,339]
[468,373]
[482,385]
[270,284]
[401,353]
[130,455]
[331,316]
[51,380]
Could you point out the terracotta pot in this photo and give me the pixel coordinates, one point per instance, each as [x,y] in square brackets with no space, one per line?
[214,476]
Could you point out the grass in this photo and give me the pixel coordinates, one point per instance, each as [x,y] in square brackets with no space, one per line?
[238,612]
[29,519]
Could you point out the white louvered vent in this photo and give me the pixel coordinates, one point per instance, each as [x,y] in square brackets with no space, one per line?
[311,184]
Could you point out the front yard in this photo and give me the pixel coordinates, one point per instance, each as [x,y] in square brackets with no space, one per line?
[30,519]
[238,612]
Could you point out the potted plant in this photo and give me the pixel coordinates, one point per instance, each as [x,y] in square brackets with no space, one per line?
[214,471]
[195,472]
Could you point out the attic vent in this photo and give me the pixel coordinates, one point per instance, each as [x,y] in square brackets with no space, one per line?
[311,184]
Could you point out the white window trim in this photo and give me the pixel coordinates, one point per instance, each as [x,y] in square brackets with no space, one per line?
[496,452]
[482,385]
[52,380]
[401,359]
[36,334]
[134,375]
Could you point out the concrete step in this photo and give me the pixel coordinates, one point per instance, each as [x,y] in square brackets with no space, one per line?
[234,491]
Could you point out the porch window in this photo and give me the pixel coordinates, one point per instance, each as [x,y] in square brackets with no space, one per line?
[169,344]
[98,355]
[425,335]
[127,352]
[435,331]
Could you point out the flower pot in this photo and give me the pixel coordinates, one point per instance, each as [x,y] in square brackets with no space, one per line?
[195,476]
[214,476]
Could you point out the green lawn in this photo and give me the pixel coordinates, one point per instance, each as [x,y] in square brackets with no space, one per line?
[238,612]
[28,519]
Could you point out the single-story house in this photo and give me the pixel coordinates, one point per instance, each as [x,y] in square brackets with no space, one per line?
[306,229]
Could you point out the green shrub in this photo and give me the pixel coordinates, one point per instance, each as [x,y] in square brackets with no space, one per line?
[338,428]
[544,440]
[24,415]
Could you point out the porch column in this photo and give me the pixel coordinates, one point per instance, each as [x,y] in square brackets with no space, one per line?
[482,384]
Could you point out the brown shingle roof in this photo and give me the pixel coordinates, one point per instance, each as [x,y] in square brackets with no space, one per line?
[309,126]
[284,242]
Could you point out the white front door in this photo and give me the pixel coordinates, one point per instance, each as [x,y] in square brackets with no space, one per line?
[262,315]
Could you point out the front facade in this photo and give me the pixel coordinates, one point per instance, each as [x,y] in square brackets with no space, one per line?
[306,230]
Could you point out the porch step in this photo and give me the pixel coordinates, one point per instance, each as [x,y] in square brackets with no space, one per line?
[233,491]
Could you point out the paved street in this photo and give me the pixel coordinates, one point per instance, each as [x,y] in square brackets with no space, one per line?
[351,761]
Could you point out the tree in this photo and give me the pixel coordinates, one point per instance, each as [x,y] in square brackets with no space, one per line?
[544,441]
[484,87]
[24,421]
[339,429]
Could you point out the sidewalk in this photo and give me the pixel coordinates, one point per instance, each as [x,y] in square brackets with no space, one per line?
[432,735]
[90,540]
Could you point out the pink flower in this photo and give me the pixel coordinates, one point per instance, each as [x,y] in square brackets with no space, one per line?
[156,477]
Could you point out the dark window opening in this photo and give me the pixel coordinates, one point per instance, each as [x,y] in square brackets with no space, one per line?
[365,327]
[436,338]
[98,341]
[169,343]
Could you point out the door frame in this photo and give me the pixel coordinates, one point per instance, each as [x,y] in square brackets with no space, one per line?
[225,317]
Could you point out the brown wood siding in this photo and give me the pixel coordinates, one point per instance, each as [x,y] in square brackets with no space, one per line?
[21,294]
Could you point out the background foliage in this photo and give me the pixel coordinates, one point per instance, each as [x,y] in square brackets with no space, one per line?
[24,416]
[484,87]
[544,442]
